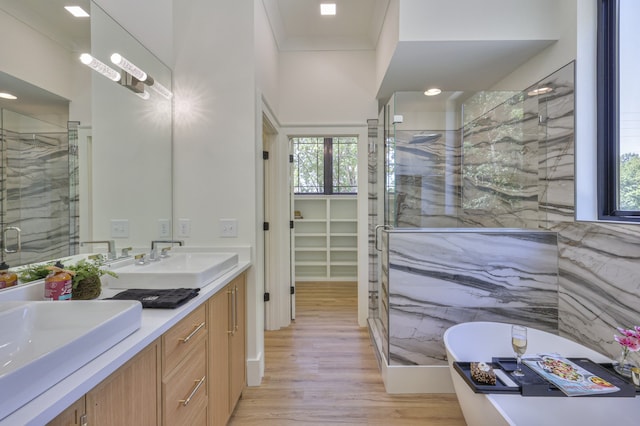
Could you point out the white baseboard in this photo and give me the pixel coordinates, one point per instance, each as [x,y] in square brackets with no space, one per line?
[255,370]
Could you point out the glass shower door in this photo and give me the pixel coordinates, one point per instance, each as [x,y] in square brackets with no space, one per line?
[34,202]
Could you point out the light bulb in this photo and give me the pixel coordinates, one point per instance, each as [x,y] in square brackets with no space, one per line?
[432,92]
[159,88]
[98,66]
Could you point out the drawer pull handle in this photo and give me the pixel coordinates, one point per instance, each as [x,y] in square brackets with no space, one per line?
[199,383]
[193,333]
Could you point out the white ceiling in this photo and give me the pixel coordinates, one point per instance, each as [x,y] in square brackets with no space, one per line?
[298,25]
[415,66]
[53,21]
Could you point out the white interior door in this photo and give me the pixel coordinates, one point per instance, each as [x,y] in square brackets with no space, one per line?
[292,239]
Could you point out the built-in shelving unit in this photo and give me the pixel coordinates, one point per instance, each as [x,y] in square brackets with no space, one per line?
[326,243]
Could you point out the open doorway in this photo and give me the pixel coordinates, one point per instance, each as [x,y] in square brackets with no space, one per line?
[324,194]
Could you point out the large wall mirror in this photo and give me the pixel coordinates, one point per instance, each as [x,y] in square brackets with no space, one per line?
[83,157]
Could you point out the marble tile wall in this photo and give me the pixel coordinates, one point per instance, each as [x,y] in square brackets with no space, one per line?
[37,195]
[438,278]
[598,272]
[372,196]
[427,165]
[500,167]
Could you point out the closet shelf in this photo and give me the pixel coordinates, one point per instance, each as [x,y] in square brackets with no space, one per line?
[334,220]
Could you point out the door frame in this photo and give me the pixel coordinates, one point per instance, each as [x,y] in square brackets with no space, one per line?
[277,279]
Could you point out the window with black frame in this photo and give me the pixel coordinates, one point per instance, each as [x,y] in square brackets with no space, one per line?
[618,110]
[325,165]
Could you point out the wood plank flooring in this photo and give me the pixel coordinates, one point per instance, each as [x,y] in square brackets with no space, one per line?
[322,370]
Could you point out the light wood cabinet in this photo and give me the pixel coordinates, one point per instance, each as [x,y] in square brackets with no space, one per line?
[72,416]
[227,363]
[129,395]
[194,374]
[237,349]
[184,390]
[184,371]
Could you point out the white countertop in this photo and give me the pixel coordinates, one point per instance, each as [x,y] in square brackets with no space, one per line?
[154,323]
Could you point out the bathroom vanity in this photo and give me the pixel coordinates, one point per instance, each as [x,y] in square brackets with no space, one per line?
[183,366]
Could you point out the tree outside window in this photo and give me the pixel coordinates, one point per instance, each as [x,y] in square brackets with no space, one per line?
[325,165]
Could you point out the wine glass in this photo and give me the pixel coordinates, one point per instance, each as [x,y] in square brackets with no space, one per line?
[519,344]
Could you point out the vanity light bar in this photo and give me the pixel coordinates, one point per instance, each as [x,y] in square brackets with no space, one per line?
[128,66]
[160,89]
[138,73]
[100,67]
[144,95]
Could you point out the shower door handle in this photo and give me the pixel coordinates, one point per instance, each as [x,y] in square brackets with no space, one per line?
[18,241]
[376,234]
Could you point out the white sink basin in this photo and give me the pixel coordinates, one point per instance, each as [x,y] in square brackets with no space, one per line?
[41,343]
[179,270]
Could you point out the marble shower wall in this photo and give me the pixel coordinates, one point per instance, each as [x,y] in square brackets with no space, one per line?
[500,166]
[598,263]
[442,277]
[427,178]
[36,195]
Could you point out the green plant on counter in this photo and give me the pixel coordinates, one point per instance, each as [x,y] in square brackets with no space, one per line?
[34,272]
[86,281]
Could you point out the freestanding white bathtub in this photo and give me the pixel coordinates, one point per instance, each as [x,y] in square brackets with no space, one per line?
[480,341]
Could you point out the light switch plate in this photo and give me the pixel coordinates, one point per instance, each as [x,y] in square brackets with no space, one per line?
[119,228]
[184,227]
[164,228]
[228,228]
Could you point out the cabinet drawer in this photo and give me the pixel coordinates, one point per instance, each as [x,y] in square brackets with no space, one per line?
[186,334]
[184,390]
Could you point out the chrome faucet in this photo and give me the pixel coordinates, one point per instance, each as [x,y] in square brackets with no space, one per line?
[111,247]
[172,242]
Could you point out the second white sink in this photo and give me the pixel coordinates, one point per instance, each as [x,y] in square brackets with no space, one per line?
[43,342]
[180,270]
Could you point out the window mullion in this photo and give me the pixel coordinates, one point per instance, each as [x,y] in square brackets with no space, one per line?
[328,166]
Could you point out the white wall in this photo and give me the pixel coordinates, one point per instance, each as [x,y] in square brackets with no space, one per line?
[267,72]
[553,57]
[131,144]
[149,21]
[388,40]
[215,156]
[327,87]
[586,115]
[577,21]
[477,20]
[22,50]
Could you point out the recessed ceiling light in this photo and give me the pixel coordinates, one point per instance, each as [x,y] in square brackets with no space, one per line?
[540,91]
[77,11]
[327,8]
[433,92]
[7,96]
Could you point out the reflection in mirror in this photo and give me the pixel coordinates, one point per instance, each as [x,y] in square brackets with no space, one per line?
[83,157]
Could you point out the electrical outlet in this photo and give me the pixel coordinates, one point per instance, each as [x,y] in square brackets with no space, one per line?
[229,228]
[164,228]
[184,227]
[119,228]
